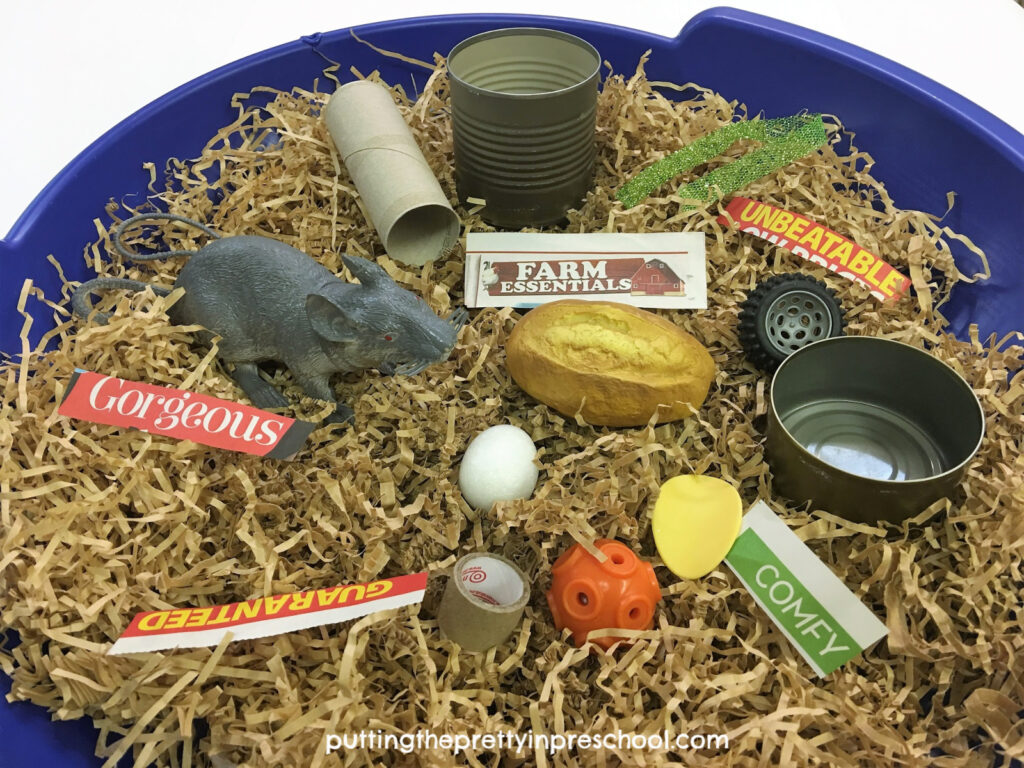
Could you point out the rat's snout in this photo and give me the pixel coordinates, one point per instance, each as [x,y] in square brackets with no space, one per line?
[436,341]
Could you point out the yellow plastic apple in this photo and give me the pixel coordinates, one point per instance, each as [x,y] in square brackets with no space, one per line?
[696,520]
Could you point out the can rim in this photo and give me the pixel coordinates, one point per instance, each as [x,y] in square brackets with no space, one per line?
[894,484]
[517,31]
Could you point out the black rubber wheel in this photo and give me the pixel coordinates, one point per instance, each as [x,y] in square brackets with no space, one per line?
[785,313]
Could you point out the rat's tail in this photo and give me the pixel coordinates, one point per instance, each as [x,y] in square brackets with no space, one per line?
[119,236]
[82,306]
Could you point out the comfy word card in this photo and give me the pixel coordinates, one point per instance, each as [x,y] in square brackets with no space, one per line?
[814,609]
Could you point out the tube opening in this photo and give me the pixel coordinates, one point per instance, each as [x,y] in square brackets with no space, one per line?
[491,582]
[423,234]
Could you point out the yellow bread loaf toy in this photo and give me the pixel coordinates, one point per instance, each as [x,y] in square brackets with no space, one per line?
[618,362]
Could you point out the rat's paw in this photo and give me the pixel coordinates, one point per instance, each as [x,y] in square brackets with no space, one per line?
[342,415]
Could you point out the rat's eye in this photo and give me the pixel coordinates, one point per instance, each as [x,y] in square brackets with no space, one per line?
[388,337]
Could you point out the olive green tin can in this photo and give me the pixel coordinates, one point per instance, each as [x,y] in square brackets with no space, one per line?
[524,115]
[870,429]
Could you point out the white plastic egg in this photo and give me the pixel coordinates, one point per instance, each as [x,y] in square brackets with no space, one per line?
[498,466]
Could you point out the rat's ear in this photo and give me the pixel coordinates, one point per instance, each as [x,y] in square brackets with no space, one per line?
[328,319]
[368,273]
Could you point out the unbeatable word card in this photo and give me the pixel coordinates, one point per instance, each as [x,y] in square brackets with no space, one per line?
[819,245]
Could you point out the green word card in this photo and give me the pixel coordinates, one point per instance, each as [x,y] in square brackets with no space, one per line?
[815,610]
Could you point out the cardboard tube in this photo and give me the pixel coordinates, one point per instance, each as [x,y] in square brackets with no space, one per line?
[483,601]
[401,195]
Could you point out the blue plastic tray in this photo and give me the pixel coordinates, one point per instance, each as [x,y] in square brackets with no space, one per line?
[926,141]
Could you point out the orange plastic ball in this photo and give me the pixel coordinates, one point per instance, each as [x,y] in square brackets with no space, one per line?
[586,594]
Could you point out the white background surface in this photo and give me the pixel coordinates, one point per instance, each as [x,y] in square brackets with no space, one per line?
[71,69]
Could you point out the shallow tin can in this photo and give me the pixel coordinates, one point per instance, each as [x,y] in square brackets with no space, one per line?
[524,112]
[870,429]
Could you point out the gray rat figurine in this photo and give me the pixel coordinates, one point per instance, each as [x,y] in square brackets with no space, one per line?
[269,301]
